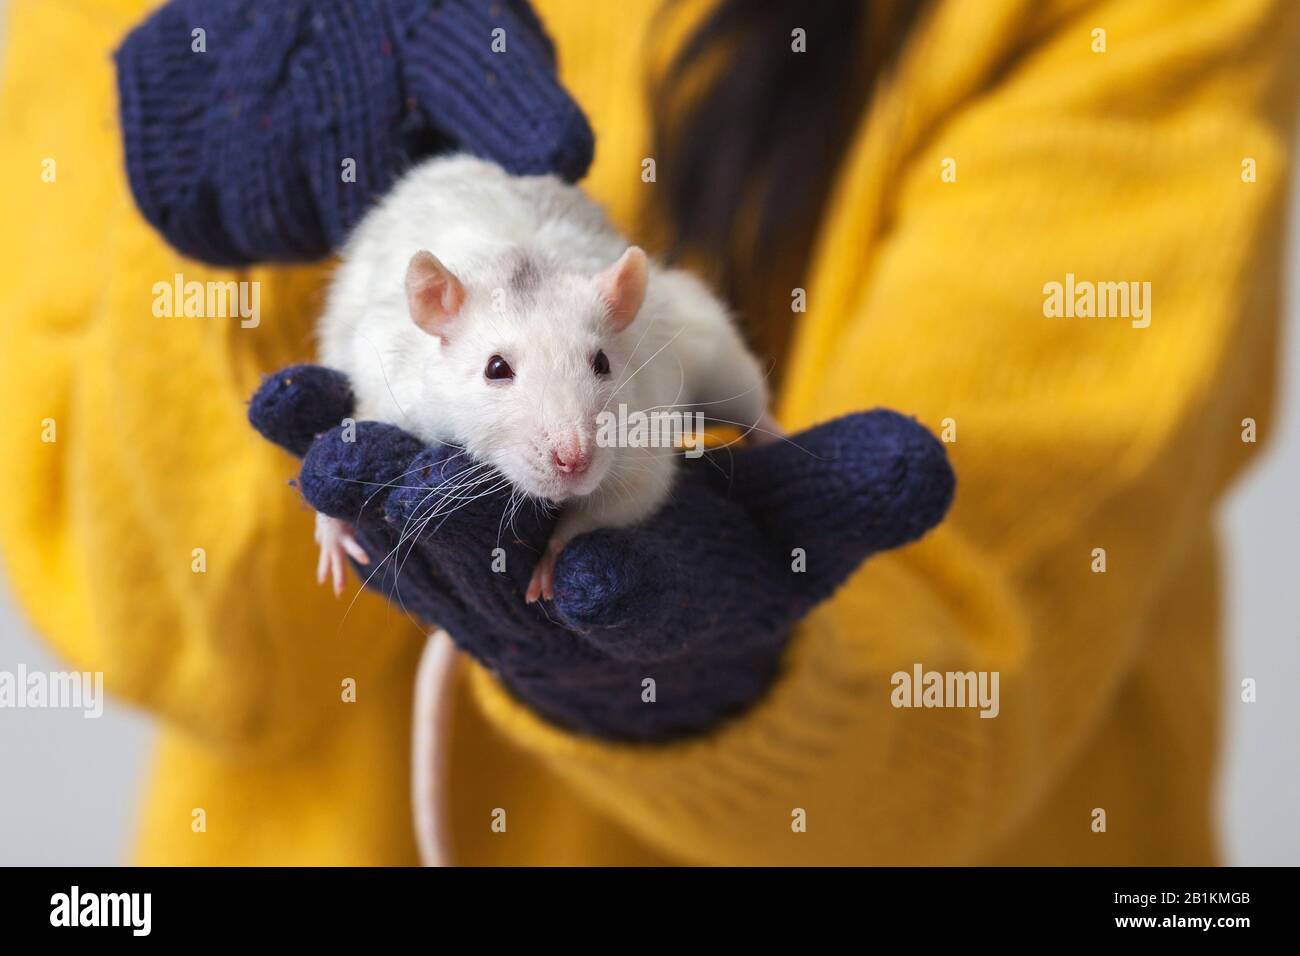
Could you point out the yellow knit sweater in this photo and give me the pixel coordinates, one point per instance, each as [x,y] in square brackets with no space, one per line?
[926,294]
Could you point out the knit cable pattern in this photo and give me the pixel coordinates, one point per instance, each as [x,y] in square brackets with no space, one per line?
[245,151]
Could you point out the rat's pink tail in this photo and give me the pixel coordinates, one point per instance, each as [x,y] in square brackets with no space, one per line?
[430,741]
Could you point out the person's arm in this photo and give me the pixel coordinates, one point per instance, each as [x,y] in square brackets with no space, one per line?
[143,532]
[1071,434]
[148,532]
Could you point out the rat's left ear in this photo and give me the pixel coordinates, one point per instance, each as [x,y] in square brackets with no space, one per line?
[622,287]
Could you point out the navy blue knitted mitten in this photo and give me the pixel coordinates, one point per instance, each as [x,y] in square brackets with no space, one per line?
[262,131]
[701,597]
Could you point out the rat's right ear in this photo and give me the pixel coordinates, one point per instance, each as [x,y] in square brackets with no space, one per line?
[433,293]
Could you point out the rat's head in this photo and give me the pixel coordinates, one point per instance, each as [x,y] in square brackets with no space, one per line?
[529,358]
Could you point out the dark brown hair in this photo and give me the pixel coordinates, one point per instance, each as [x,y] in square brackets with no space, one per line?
[748,135]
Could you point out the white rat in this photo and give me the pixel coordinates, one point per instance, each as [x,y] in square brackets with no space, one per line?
[504,314]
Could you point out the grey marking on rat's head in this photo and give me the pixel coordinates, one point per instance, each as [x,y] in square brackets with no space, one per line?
[526,274]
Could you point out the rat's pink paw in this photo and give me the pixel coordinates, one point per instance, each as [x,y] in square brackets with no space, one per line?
[336,545]
[542,583]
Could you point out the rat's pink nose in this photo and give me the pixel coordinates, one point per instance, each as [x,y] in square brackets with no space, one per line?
[570,457]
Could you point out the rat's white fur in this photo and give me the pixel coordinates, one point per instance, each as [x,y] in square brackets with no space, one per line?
[527,251]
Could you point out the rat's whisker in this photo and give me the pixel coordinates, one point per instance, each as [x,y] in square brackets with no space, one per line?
[632,355]
[720,401]
[624,383]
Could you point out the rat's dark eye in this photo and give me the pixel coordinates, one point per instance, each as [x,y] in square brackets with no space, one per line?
[498,370]
[600,363]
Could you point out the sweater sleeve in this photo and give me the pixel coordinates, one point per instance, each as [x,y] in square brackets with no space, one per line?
[1162,161]
[146,528]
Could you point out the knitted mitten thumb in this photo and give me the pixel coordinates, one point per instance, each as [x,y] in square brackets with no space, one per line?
[258,131]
